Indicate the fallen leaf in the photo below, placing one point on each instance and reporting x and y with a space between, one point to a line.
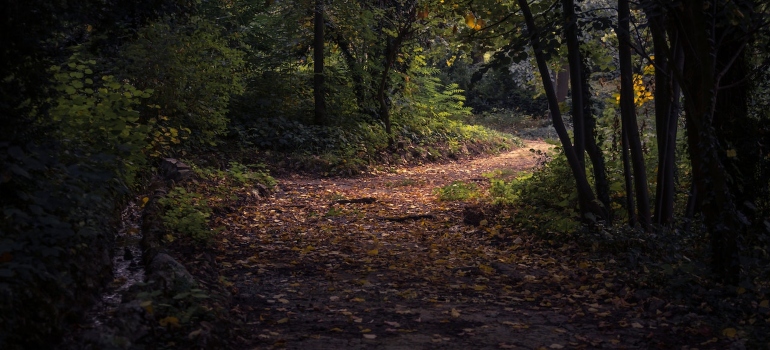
370 336
455 313
283 320
194 334
729 332
169 321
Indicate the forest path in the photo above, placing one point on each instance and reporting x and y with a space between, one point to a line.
378 262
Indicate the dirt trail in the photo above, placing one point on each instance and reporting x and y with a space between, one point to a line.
379 263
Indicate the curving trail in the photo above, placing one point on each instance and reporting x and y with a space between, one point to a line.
322 265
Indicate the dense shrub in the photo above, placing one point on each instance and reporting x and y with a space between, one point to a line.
192 72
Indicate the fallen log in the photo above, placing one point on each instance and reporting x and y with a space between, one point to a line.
365 200
409 217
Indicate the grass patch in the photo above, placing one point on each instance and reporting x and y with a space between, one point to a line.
458 191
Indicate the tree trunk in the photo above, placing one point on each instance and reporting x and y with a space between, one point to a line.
318 64
384 111
628 115
699 81
595 153
628 177
666 95
562 83
576 76
588 205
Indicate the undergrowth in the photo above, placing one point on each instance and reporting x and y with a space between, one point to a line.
189 208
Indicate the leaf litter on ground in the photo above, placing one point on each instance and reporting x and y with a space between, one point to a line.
321 265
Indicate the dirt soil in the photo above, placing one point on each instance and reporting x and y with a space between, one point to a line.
378 262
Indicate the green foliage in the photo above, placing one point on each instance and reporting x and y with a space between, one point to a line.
425 97
187 214
192 71
250 174
457 191
97 115
545 200
237 174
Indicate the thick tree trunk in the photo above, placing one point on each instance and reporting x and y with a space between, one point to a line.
318 64
628 115
562 83
700 85
588 204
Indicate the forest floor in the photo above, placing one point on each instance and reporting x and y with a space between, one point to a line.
378 262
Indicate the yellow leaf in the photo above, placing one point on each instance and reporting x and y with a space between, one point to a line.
366 330
144 201
741 290
764 303
169 321
470 20
479 24
373 252
357 300
731 153
455 313
479 287
729 332
451 61
335 329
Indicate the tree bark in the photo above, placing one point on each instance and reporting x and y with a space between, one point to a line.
628 115
700 83
562 83
628 177
667 107
576 75
318 64
594 151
